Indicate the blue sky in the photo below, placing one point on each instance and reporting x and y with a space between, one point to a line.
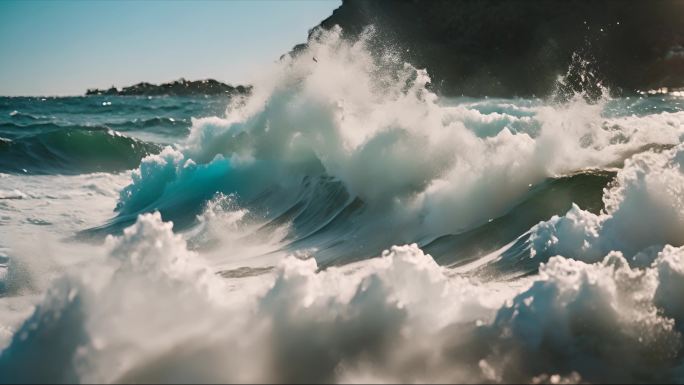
64 47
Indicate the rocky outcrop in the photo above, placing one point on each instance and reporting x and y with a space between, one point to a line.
180 87
520 47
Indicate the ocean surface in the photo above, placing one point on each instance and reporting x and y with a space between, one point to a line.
342 224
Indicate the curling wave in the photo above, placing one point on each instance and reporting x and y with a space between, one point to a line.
372 158
52 149
359 228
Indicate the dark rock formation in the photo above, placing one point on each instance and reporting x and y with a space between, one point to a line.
180 87
520 47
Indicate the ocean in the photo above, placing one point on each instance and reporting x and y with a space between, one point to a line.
343 223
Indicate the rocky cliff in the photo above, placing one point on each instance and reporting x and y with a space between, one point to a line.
520 47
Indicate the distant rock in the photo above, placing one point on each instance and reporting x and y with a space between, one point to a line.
520 47
179 87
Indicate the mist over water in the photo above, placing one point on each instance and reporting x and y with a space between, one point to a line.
342 224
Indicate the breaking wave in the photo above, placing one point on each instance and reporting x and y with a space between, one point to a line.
370 157
346 224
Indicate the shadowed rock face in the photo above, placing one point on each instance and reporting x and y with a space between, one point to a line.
519 47
180 87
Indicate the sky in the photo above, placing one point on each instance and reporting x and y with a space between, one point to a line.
64 47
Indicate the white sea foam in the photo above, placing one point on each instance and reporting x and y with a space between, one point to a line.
153 311
644 210
433 167
12 194
33 255
225 301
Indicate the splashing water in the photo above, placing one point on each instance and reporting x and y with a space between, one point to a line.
346 224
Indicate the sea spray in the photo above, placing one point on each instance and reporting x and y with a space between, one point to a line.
420 167
644 209
276 243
